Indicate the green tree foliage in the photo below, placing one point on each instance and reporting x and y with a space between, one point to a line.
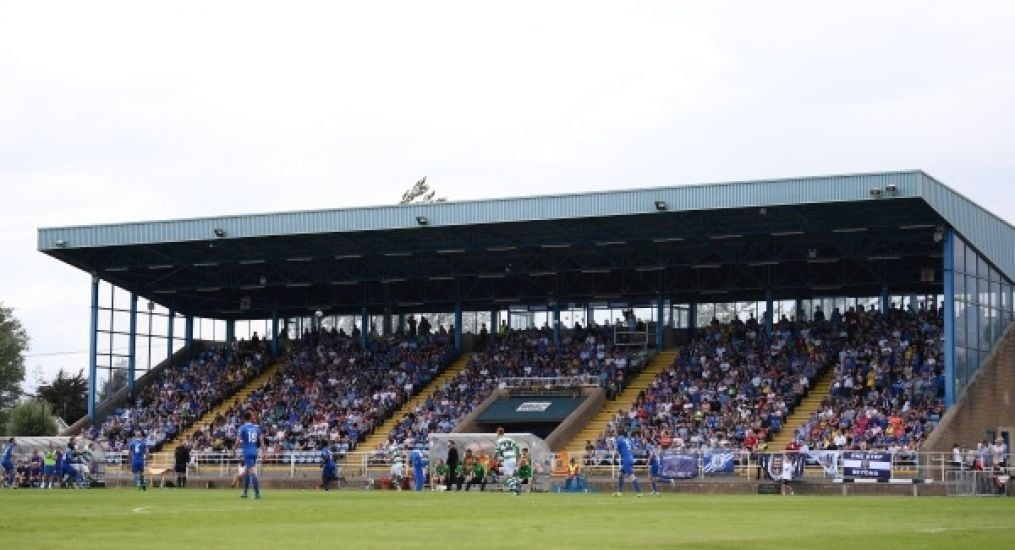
420 192
13 344
114 383
66 395
32 418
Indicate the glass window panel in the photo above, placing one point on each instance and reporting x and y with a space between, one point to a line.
994 276
958 254
705 314
986 338
972 363
970 261
972 326
960 286
960 323
960 370
971 294
982 270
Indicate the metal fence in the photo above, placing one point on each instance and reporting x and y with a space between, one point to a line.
708 464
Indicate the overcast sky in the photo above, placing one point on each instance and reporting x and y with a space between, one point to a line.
142 110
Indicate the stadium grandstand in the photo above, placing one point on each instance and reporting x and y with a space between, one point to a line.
862 312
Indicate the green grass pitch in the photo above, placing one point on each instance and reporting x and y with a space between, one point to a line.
193 519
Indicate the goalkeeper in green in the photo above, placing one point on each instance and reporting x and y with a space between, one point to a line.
507 454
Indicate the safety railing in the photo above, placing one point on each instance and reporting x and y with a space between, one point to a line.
683 464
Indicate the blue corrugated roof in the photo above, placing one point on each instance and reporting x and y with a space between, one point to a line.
988 233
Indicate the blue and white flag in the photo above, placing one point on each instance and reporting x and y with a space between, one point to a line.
673 465
718 462
829 460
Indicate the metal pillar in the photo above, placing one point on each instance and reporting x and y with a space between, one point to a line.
660 320
132 346
949 315
274 333
230 330
93 346
884 302
188 332
401 323
169 335
556 323
458 326
364 327
692 320
770 313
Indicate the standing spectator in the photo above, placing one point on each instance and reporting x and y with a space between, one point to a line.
452 463
181 458
999 453
137 448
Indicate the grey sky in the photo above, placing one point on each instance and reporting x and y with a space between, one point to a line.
133 111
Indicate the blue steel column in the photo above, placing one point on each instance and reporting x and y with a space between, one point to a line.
770 313
692 320
169 335
949 314
494 324
93 345
556 323
132 346
188 332
884 302
230 330
458 326
660 320
274 333
364 327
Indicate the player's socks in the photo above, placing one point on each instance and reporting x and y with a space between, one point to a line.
637 486
620 484
246 484
257 486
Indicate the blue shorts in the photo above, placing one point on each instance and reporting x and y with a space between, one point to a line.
137 467
7 465
330 472
627 469
48 470
250 461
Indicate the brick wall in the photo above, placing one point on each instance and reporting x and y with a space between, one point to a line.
987 403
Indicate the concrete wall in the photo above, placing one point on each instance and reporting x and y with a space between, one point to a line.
988 402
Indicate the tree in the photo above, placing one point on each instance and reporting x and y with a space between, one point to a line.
13 344
31 418
420 192
67 395
112 384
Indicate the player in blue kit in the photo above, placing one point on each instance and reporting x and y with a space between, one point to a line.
654 469
7 462
252 440
626 451
419 462
137 449
329 470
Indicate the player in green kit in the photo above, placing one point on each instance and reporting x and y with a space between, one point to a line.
507 454
525 469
